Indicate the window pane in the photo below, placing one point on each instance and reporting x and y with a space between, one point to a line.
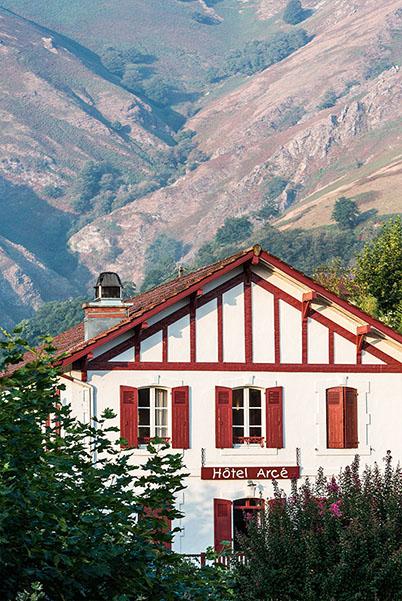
161 432
144 432
237 432
255 397
143 397
255 417
255 431
160 417
238 398
160 398
144 418
238 417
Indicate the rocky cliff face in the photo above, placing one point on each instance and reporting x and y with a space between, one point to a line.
274 125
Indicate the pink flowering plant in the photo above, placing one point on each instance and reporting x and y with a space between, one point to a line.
339 539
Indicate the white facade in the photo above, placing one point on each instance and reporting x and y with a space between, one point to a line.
252 334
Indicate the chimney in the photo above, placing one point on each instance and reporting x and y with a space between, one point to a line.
107 309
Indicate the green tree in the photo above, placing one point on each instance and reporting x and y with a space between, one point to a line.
132 78
234 230
161 261
157 90
94 178
51 319
294 12
339 539
346 213
113 60
69 501
379 268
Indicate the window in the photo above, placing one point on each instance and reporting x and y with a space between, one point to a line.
243 417
152 414
342 431
247 416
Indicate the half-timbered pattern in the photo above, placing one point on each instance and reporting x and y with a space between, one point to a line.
251 370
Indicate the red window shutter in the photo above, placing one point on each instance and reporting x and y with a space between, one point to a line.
180 418
129 416
222 522
335 419
274 417
350 411
223 418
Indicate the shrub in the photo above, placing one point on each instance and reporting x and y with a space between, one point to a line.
53 191
329 99
204 18
376 68
339 539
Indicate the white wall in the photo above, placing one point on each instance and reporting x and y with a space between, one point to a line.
380 417
179 340
290 333
207 332
263 325
233 324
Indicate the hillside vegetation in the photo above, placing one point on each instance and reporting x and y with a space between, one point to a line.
127 123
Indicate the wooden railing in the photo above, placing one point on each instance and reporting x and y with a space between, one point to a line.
201 559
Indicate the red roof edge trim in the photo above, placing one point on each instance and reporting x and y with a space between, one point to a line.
122 327
304 279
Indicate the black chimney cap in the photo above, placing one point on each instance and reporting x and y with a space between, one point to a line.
108 278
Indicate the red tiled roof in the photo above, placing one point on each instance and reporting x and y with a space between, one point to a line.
72 340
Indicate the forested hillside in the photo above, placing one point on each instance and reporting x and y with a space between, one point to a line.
127 124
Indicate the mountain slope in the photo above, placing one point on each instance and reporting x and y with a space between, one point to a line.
273 125
170 30
58 108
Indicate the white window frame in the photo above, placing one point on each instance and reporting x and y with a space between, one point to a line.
246 407
152 405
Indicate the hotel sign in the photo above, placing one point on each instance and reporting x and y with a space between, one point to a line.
250 473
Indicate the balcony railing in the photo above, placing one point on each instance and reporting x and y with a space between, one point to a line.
201 559
249 440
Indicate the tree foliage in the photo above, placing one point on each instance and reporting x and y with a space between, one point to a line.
234 230
379 268
70 499
161 261
375 282
258 55
346 213
294 12
339 539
